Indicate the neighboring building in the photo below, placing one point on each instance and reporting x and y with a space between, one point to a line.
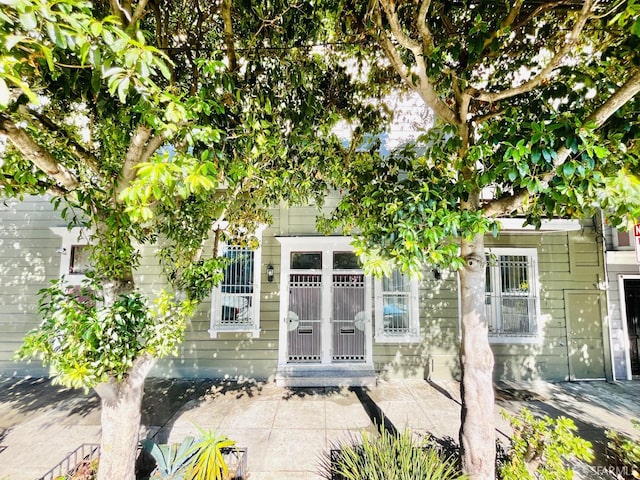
623 278
301 311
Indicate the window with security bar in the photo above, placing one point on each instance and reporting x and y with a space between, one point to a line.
235 301
511 300
396 309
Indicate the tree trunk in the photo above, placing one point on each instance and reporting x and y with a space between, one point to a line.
121 402
477 431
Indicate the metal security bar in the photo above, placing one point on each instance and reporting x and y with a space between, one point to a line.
236 298
304 322
511 301
395 297
348 317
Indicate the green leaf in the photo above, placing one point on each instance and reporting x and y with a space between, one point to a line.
600 152
28 21
535 156
123 89
568 169
5 93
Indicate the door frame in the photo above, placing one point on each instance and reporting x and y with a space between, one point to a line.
324 245
622 294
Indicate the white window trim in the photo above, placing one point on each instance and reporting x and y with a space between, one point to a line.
414 315
71 237
216 298
535 338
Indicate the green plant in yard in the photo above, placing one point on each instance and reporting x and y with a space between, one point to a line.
171 460
207 461
539 446
389 457
624 452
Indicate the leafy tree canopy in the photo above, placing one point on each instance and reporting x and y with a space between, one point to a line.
160 123
537 116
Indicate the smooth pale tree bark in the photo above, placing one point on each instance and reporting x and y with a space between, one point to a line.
477 431
121 402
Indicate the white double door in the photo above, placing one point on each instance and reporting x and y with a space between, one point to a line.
325 304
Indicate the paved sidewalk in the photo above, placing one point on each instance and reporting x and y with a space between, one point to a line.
287 431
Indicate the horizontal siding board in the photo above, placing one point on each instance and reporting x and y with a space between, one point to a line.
28 257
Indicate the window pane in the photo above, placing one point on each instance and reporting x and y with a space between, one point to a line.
514 273
306 260
236 310
395 303
398 282
510 302
79 259
346 261
516 314
238 276
395 314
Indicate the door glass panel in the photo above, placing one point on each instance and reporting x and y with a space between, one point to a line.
306 260
346 261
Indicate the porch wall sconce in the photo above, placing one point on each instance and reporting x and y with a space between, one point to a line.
270 273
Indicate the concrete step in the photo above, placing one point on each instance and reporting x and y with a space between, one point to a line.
325 376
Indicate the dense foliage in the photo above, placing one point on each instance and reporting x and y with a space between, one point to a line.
386 456
542 448
536 112
170 124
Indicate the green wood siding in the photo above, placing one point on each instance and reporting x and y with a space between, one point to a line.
566 261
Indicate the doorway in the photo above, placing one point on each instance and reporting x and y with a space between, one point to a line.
325 305
632 312
584 314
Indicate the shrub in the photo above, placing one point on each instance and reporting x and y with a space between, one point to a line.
208 461
624 453
389 457
539 447
171 460
200 458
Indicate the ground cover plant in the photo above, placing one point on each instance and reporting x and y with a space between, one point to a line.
623 453
542 447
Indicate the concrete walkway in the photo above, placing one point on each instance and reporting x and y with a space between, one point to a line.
287 431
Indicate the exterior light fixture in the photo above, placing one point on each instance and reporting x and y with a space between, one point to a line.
270 273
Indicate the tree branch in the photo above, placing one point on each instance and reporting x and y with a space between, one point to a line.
152 147
121 12
598 117
225 12
133 157
423 28
424 88
507 22
50 188
78 150
37 155
138 13
394 23
534 82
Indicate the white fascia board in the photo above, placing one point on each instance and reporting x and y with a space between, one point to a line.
318 242
621 257
553 225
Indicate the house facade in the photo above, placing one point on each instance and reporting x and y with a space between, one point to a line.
623 278
300 310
